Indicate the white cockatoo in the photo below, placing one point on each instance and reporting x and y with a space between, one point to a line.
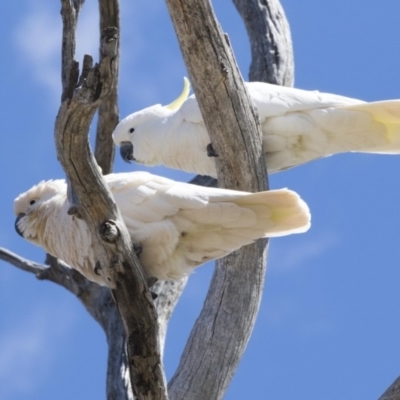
298 126
178 226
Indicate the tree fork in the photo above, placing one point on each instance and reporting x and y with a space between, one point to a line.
127 282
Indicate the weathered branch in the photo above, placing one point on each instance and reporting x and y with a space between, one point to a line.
119 265
108 111
221 332
118 378
168 294
20 262
221 94
393 392
58 272
270 39
69 67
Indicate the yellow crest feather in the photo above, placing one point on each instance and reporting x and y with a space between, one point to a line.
182 97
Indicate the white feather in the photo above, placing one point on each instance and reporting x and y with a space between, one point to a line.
298 126
178 225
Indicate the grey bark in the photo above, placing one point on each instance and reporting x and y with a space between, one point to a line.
221 333
108 111
270 41
94 203
393 391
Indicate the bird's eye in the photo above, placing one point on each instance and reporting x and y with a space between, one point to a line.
32 202
131 130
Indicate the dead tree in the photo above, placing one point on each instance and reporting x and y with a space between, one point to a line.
226 321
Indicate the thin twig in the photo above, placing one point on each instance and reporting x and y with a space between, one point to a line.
20 262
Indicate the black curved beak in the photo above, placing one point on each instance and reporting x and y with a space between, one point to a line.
16 224
126 151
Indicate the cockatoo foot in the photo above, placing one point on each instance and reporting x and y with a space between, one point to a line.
137 249
151 280
97 268
210 151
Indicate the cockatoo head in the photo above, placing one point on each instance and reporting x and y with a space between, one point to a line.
141 126
30 208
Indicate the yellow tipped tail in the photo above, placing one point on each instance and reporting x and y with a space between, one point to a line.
279 212
386 116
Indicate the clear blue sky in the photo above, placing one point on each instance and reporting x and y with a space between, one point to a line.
329 325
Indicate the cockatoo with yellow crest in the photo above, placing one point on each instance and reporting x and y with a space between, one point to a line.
298 126
178 226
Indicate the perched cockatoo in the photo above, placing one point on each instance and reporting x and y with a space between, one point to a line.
179 226
298 126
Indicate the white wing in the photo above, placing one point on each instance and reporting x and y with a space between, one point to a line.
274 100
299 126
181 226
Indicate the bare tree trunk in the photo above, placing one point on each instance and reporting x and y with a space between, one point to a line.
222 330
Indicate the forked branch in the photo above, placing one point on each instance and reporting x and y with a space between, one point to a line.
94 203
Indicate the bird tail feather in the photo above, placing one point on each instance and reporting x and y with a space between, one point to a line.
387 115
278 213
